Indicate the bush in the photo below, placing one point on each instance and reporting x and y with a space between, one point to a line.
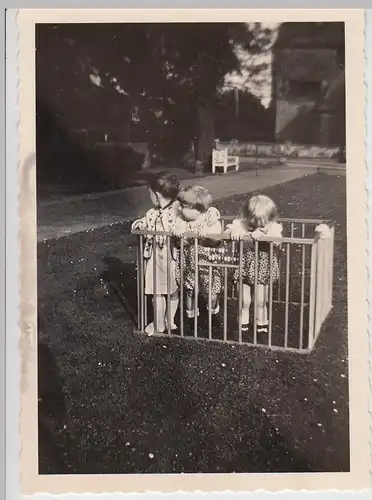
117 162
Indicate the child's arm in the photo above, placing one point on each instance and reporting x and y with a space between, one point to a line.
210 236
236 230
141 223
274 230
179 227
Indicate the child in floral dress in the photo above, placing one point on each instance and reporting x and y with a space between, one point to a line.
163 190
259 219
197 216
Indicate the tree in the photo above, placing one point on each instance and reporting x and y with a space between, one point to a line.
171 74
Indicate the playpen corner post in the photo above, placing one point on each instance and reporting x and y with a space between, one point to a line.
330 270
312 301
140 285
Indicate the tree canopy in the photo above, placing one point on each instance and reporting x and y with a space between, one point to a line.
161 79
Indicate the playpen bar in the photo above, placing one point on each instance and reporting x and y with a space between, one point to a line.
288 219
154 304
234 342
240 290
305 241
140 287
255 291
288 253
330 267
302 303
168 285
233 250
207 264
292 229
312 295
293 303
271 292
196 291
210 302
225 305
181 261
319 287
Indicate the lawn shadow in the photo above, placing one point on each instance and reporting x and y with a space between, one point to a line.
52 414
122 279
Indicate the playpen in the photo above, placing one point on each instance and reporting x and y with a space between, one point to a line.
299 301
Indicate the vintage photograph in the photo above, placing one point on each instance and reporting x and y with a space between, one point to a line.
192 247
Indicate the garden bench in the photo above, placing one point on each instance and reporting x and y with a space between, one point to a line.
221 159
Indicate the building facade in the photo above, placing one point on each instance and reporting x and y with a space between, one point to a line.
309 84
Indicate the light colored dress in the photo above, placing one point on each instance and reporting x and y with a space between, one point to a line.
156 262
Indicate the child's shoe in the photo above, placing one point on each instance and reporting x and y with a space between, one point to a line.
245 327
263 328
216 310
173 325
150 329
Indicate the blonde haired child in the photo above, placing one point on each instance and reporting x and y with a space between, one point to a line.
259 219
163 190
197 216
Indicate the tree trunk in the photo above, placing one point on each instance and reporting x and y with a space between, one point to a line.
204 142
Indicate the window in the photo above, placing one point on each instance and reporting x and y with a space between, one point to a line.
304 90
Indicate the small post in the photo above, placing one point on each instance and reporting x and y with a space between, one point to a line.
141 291
168 286
196 292
271 292
154 305
240 290
182 256
287 275
255 292
210 302
225 305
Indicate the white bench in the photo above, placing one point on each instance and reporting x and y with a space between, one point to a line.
221 159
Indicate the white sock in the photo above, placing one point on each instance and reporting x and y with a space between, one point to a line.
173 309
159 313
245 316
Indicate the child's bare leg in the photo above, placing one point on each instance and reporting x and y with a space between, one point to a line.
247 299
173 306
261 297
158 324
190 304
214 301
189 301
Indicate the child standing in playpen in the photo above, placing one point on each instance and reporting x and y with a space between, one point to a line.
163 189
259 219
197 216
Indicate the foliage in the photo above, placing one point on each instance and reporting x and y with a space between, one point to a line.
166 73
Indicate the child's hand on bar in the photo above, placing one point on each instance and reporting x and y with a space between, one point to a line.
257 234
138 225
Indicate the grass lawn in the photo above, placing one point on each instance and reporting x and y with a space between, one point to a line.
112 401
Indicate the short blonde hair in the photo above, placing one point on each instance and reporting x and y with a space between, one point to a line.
195 197
259 211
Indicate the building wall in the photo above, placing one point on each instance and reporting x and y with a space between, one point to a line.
301 75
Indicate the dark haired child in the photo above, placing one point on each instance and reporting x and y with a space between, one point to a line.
163 190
